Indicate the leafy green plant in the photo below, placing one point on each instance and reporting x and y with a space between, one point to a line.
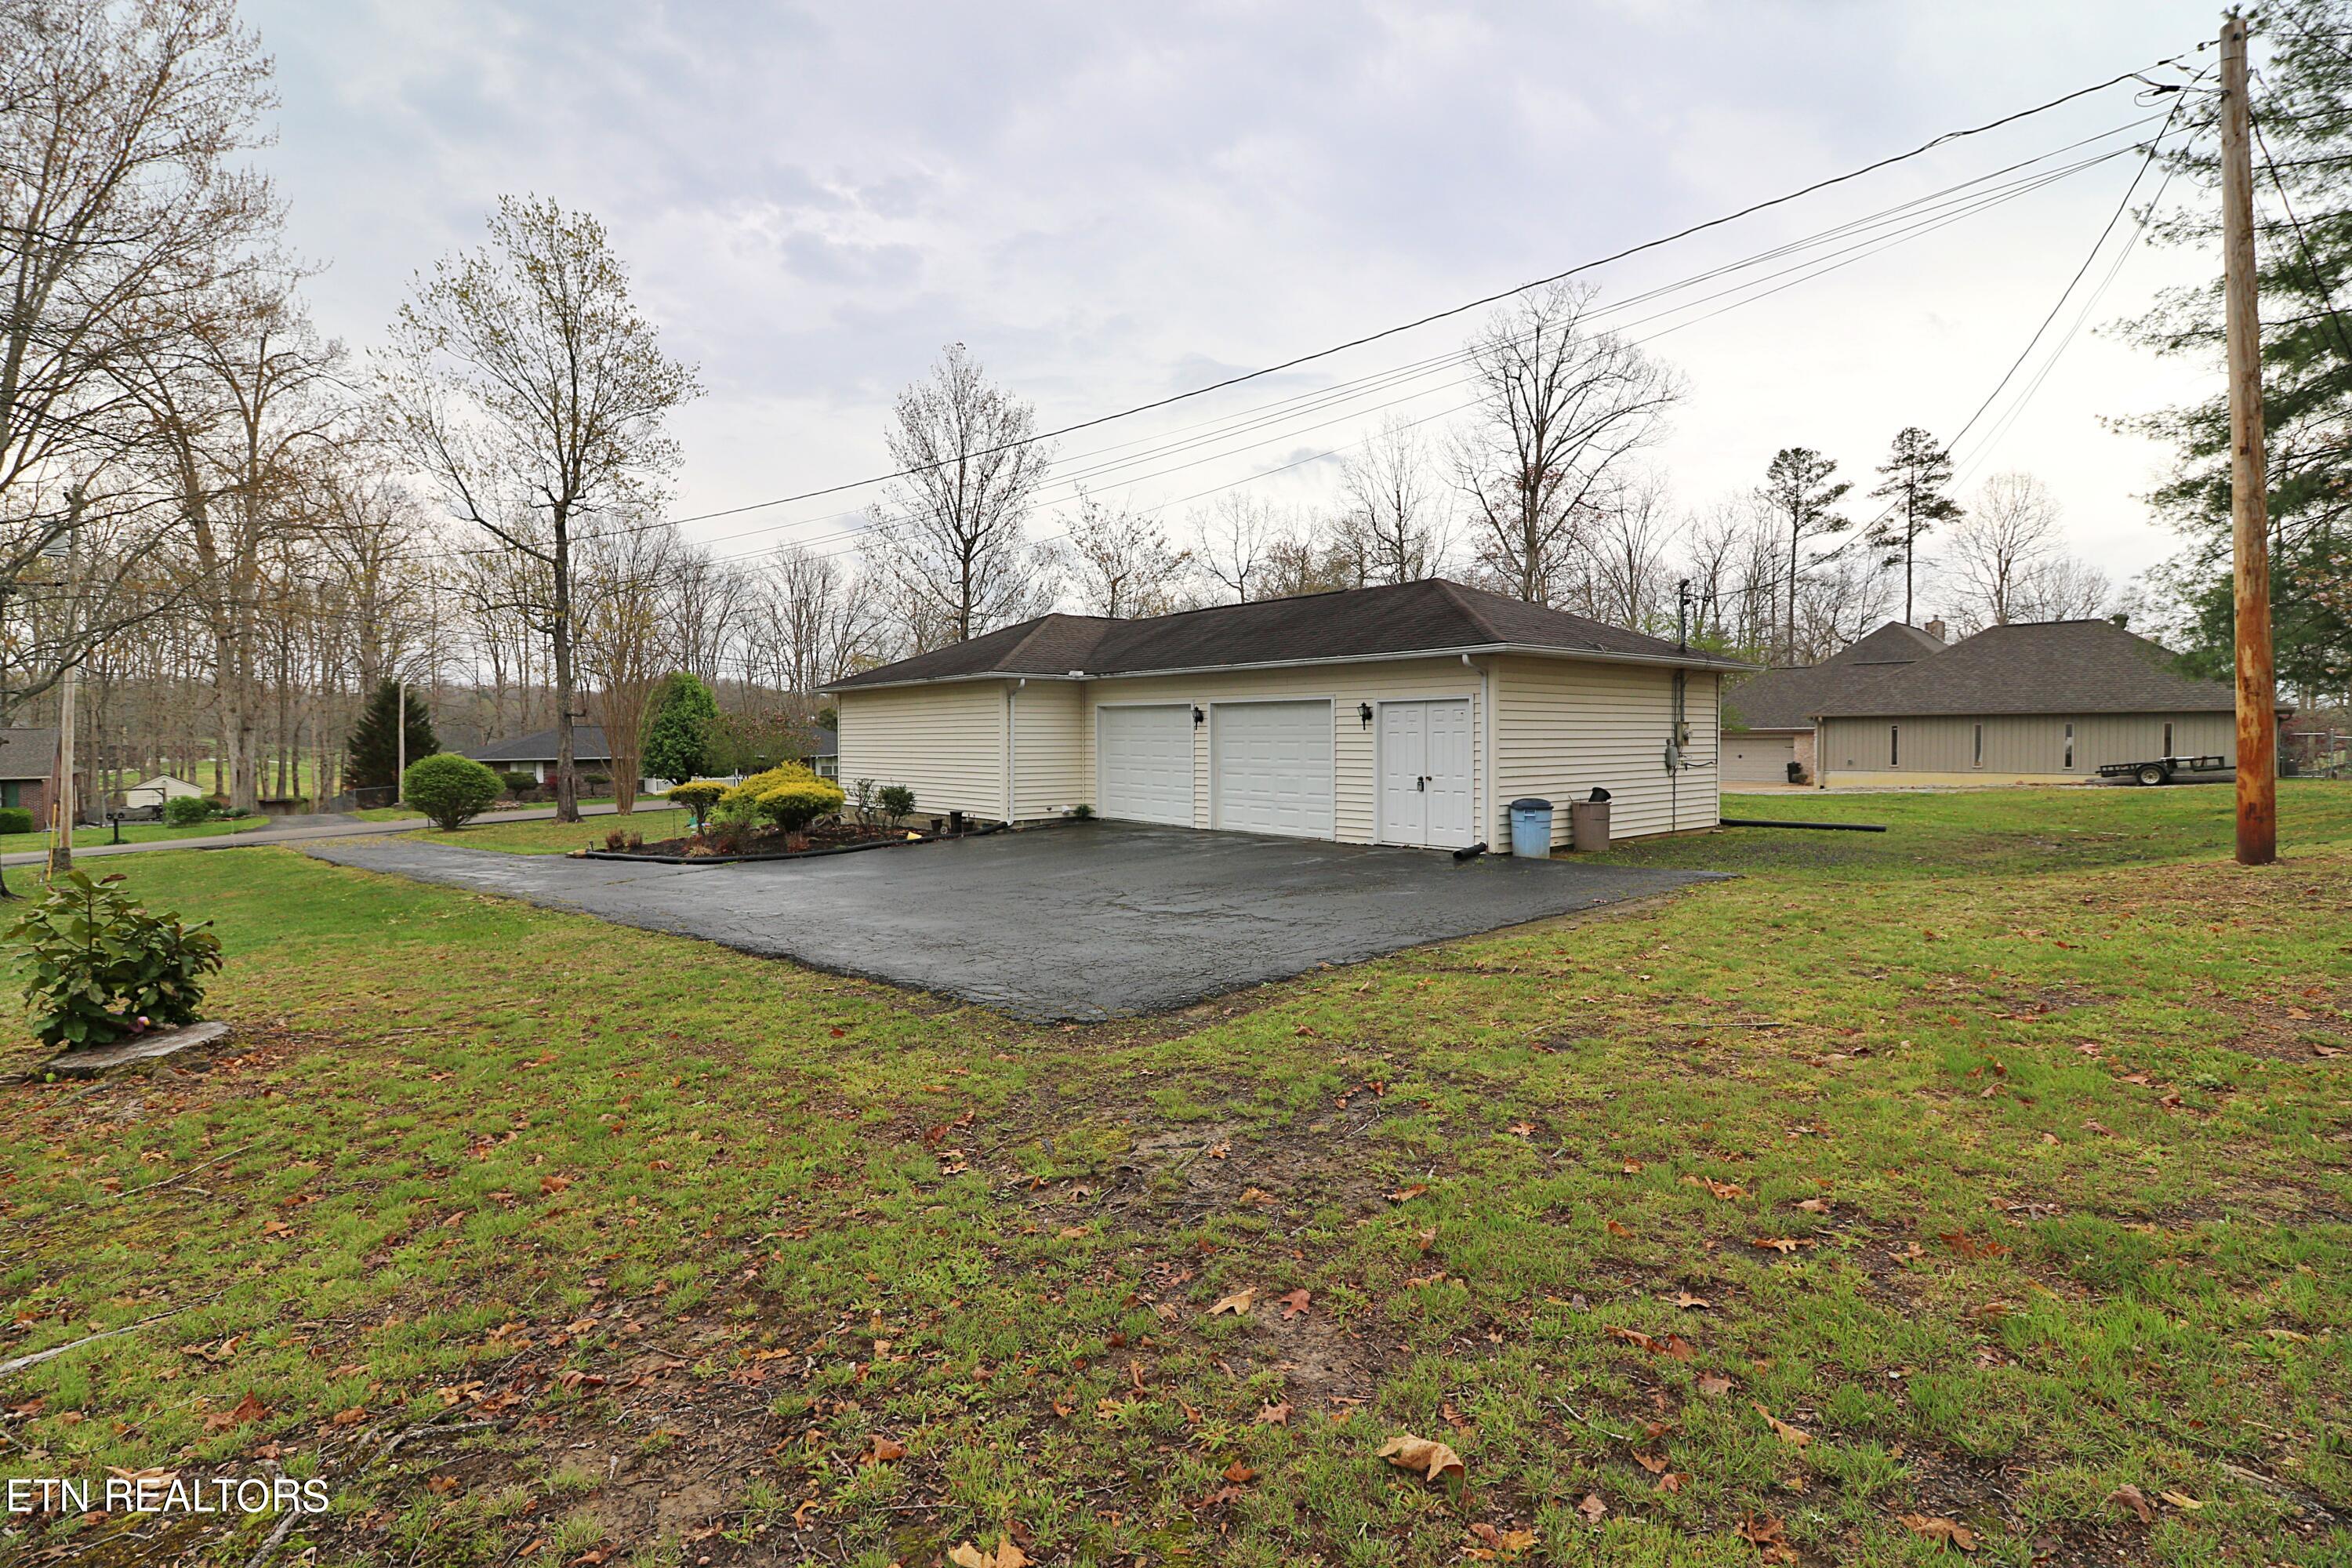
450 789
97 967
518 783
1082 812
186 810
897 803
16 819
698 796
790 797
681 728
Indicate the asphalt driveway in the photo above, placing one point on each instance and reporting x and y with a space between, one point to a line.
1086 921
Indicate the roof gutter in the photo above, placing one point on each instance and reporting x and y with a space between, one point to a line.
1532 650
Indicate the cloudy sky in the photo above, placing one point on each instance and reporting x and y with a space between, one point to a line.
1109 203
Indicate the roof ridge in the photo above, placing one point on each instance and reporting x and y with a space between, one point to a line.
1454 591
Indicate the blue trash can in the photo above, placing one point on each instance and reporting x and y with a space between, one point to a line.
1531 829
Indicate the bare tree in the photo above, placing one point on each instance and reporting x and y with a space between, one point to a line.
951 534
711 601
624 583
1560 408
2064 588
1800 497
523 379
2012 529
816 621
1120 563
239 403
120 205
1632 584
1394 509
1237 535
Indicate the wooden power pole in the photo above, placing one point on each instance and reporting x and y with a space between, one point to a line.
2249 511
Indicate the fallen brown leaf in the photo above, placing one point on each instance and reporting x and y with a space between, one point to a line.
1943 1532
1592 1507
1294 1305
2130 1497
1430 1460
1006 1555
1237 1303
1782 1430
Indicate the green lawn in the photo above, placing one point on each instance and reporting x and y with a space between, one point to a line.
136 833
2035 1187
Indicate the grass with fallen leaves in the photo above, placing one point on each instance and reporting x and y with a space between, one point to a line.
1979 1190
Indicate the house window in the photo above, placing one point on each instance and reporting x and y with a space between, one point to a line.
2168 737
1978 752
2070 745
1894 746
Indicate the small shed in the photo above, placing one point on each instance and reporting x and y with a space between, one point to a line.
152 792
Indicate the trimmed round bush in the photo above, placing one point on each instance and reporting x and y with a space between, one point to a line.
789 797
518 783
184 810
698 796
16 819
450 789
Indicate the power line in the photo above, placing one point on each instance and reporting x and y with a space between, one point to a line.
1268 415
1453 311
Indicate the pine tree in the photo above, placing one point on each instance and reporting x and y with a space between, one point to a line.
1800 496
681 728
1916 475
374 745
2301 108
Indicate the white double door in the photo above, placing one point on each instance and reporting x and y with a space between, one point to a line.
1425 765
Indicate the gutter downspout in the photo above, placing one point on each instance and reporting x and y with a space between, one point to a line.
1485 791
1012 747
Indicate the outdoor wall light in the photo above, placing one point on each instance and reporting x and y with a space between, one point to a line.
1199 718
1364 711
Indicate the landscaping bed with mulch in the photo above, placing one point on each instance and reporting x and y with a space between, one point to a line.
837 838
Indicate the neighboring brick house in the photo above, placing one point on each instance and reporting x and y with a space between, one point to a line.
1767 718
28 759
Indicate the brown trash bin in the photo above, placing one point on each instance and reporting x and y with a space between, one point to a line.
1587 825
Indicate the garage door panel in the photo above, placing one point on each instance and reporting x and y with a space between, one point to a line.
1143 761
1758 759
1272 768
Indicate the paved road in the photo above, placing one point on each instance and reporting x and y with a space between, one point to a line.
303 835
1089 920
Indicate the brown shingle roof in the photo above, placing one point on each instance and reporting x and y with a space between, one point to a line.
1787 699
1432 615
27 751
2038 666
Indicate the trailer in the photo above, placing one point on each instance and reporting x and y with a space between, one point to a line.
2159 770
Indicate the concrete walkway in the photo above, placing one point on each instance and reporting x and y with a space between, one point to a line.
304 833
1089 920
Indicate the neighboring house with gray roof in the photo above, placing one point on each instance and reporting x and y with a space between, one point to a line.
535 753
29 760
2029 702
1767 718
1411 714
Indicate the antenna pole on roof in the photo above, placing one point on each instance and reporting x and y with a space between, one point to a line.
1681 615
2249 523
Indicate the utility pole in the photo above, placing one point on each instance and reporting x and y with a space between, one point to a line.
61 805
400 729
2249 511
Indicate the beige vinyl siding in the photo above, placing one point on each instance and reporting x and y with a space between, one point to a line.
1347 686
1564 726
2017 746
946 742
1052 741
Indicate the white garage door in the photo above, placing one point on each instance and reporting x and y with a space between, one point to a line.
1758 759
1271 767
1144 762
